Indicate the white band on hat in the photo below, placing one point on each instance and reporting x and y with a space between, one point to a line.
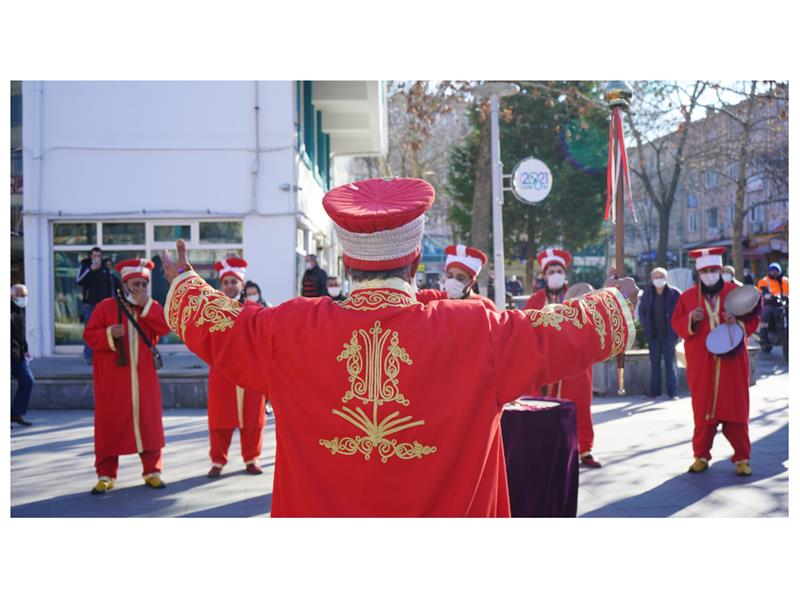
461 256
237 271
141 271
551 256
709 260
382 245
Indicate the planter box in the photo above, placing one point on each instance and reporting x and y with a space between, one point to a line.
637 374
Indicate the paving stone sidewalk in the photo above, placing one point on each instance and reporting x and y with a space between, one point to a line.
645 447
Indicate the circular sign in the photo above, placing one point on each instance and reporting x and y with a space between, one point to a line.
531 180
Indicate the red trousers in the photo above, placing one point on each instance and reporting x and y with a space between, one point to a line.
107 466
737 434
251 439
583 416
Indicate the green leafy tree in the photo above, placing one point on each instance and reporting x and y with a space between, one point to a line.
553 122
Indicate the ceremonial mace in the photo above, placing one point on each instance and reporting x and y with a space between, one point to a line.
618 95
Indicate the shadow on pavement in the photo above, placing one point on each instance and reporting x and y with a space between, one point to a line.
251 507
134 501
682 491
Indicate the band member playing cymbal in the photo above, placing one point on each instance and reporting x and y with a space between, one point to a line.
719 384
577 389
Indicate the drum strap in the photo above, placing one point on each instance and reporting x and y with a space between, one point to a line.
713 321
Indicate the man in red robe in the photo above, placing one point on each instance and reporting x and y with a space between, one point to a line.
230 406
461 269
127 398
374 418
578 388
719 384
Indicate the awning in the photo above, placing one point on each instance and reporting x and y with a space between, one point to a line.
759 252
708 244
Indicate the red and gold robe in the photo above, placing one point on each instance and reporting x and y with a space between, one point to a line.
426 296
127 399
719 386
577 389
387 406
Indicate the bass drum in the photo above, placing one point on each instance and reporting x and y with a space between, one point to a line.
744 302
576 290
725 340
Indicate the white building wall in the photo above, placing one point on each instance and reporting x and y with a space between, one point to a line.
151 150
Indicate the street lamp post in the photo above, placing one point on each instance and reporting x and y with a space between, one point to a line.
495 90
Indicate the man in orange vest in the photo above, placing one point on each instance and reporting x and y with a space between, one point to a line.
773 287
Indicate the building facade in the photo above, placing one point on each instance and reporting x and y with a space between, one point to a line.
233 168
704 207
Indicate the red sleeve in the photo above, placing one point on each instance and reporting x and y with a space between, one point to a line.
534 347
236 340
425 296
681 319
152 320
97 334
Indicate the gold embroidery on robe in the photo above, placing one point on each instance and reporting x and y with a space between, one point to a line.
375 300
552 315
213 307
373 364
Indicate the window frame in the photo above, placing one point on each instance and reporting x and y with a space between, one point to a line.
147 249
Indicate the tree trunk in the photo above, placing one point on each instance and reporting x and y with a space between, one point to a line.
664 211
482 202
738 213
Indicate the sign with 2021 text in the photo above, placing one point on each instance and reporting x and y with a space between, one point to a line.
531 180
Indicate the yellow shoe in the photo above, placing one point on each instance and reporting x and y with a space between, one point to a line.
743 468
154 481
699 465
103 485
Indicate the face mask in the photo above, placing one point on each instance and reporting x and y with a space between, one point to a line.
727 277
21 301
253 298
660 282
555 281
308 265
129 299
710 279
454 288
334 291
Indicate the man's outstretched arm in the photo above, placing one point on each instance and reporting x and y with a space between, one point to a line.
227 336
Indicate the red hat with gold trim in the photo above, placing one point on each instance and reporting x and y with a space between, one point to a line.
134 267
232 265
379 222
469 259
707 258
554 256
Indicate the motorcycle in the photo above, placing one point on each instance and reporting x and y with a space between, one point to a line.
777 331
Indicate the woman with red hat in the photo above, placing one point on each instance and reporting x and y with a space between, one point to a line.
461 268
230 406
554 263
127 398
719 384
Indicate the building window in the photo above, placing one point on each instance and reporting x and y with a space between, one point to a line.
207 242
691 201
315 142
712 179
731 213
693 222
711 218
757 214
